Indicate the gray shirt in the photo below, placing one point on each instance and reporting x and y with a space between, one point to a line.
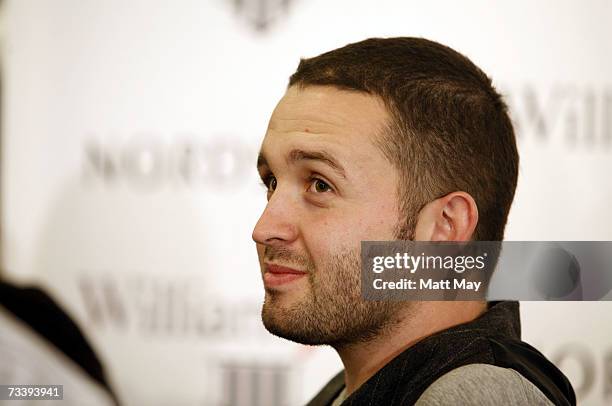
477 384
482 384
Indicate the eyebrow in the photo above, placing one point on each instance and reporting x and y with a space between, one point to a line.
298 155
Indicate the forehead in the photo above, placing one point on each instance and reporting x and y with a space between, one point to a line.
342 121
326 109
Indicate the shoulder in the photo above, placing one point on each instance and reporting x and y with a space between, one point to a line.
482 384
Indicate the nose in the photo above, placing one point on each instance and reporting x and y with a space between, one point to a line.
278 222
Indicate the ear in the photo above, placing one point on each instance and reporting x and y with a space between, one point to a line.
450 218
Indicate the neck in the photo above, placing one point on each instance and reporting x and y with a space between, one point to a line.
420 320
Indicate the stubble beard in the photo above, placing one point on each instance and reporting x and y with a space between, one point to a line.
332 311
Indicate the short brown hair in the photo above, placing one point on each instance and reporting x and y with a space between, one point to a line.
450 128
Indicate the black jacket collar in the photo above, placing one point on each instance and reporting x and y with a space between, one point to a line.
493 338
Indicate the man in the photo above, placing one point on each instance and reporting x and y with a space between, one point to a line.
393 139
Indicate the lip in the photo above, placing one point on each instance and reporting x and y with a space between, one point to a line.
278 275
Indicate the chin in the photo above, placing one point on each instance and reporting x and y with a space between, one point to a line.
279 318
276 298
295 335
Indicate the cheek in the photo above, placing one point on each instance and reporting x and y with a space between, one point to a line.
326 236
260 252
382 225
323 238
377 222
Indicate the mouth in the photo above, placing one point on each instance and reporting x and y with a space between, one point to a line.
277 275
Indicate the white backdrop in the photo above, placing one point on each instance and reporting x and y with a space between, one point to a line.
130 131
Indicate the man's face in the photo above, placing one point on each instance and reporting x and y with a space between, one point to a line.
329 188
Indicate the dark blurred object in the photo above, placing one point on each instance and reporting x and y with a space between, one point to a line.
557 275
35 309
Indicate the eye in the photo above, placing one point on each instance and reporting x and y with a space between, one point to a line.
320 186
270 183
